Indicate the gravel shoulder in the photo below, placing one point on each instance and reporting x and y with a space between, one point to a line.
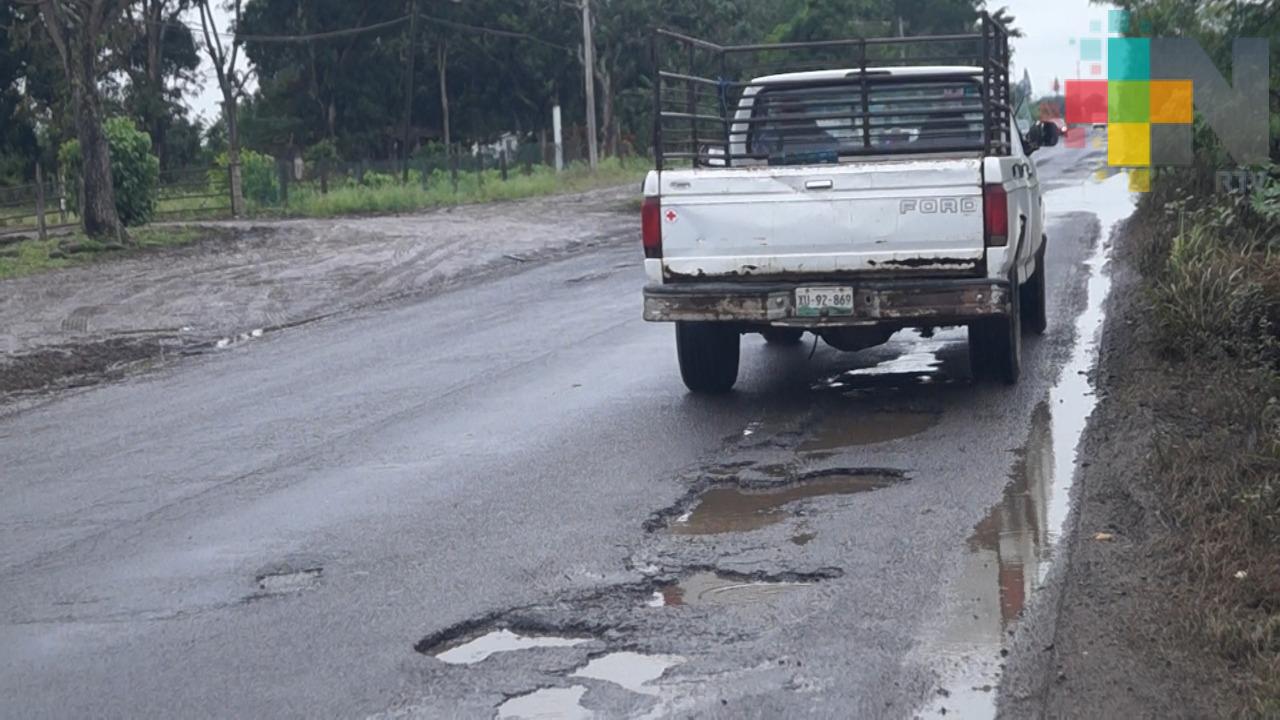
73 326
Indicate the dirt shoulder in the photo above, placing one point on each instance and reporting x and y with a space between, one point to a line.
253 277
1130 637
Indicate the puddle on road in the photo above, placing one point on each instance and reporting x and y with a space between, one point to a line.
710 588
630 670
920 364
1011 549
470 652
870 428
548 704
731 509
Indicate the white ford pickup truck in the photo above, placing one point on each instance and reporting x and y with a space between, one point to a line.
850 203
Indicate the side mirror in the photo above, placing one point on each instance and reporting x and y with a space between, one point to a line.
1044 134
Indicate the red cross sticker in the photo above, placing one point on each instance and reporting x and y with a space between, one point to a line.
672 216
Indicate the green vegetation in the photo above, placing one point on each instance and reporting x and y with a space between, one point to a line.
258 171
1210 264
135 171
1211 271
382 193
28 257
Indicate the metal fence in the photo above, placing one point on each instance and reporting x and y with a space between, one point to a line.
204 193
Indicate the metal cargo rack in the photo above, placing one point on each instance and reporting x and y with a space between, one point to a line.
702 120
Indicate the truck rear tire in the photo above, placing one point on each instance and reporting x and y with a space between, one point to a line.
782 336
1035 307
708 354
995 345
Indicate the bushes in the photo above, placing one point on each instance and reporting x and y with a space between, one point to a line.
257 174
135 171
1216 278
1211 267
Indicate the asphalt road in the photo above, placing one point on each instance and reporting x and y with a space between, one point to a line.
277 529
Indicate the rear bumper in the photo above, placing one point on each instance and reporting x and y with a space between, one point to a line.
897 302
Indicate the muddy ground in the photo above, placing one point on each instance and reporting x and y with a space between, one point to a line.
1117 642
246 278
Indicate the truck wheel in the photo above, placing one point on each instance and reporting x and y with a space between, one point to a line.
1035 308
995 346
708 355
782 336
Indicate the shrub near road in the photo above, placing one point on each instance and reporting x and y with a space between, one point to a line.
1210 267
135 170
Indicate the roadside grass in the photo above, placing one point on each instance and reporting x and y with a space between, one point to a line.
1211 272
438 190
31 256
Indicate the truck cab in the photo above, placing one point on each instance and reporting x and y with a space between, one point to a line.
847 202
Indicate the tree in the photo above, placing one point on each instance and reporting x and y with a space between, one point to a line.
76 28
159 55
231 83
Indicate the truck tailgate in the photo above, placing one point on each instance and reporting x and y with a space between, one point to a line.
917 217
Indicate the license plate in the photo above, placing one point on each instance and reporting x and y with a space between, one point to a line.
824 301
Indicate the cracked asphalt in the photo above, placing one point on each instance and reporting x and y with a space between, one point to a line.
277 529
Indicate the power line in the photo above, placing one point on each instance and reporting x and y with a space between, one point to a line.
328 35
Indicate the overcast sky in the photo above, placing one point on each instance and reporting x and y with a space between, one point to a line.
1046 52
1050 25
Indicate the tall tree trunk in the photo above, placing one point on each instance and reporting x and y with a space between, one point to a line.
442 62
231 111
609 120
76 38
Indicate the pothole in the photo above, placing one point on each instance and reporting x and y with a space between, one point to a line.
870 429
559 703
717 588
629 670
478 649
291 581
734 509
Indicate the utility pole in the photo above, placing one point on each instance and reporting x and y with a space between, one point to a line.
408 86
589 66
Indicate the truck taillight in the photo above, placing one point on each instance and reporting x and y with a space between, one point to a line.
995 203
651 224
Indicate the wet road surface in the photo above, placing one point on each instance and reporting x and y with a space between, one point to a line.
499 501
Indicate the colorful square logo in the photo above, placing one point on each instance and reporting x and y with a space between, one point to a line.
1149 120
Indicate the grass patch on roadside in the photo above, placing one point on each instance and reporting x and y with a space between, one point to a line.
31 256
1211 272
438 191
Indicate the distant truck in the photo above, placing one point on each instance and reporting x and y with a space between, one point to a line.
846 199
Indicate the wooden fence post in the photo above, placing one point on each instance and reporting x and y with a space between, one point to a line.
62 198
453 171
44 232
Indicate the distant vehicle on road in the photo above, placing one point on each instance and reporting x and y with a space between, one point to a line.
850 203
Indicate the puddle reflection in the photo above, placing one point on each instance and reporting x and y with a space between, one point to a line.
630 670
733 510
470 652
1010 550
548 703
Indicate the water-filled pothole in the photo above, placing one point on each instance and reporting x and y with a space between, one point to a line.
733 509
707 587
559 703
870 429
629 670
471 650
